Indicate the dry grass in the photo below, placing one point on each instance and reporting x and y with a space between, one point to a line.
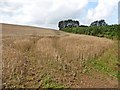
52 61
26 59
17 30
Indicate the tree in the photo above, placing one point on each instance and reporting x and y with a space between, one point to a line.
68 23
99 23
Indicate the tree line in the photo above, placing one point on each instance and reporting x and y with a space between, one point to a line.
73 23
97 28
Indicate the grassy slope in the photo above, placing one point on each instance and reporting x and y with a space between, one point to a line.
106 63
59 61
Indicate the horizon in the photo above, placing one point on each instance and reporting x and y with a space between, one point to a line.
36 13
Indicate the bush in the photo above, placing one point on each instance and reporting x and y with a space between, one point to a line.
100 31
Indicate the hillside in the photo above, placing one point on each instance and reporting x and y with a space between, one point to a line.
37 57
21 30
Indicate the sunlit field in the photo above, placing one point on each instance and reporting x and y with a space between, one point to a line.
56 59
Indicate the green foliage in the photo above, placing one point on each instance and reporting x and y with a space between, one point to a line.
106 64
100 31
49 83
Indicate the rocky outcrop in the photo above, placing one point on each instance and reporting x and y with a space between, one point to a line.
68 23
99 23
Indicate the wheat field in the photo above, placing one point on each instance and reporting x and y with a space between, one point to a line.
37 57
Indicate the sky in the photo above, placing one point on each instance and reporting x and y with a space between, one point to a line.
47 13
119 13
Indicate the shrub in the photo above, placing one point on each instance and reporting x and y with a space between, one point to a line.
100 31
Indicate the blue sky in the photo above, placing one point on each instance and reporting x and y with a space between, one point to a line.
47 13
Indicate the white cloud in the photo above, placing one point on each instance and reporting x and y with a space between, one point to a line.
39 12
47 13
103 10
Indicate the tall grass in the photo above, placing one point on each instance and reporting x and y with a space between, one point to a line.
30 61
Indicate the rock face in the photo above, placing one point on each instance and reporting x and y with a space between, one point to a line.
68 23
99 23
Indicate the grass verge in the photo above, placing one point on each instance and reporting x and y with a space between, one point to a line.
106 63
